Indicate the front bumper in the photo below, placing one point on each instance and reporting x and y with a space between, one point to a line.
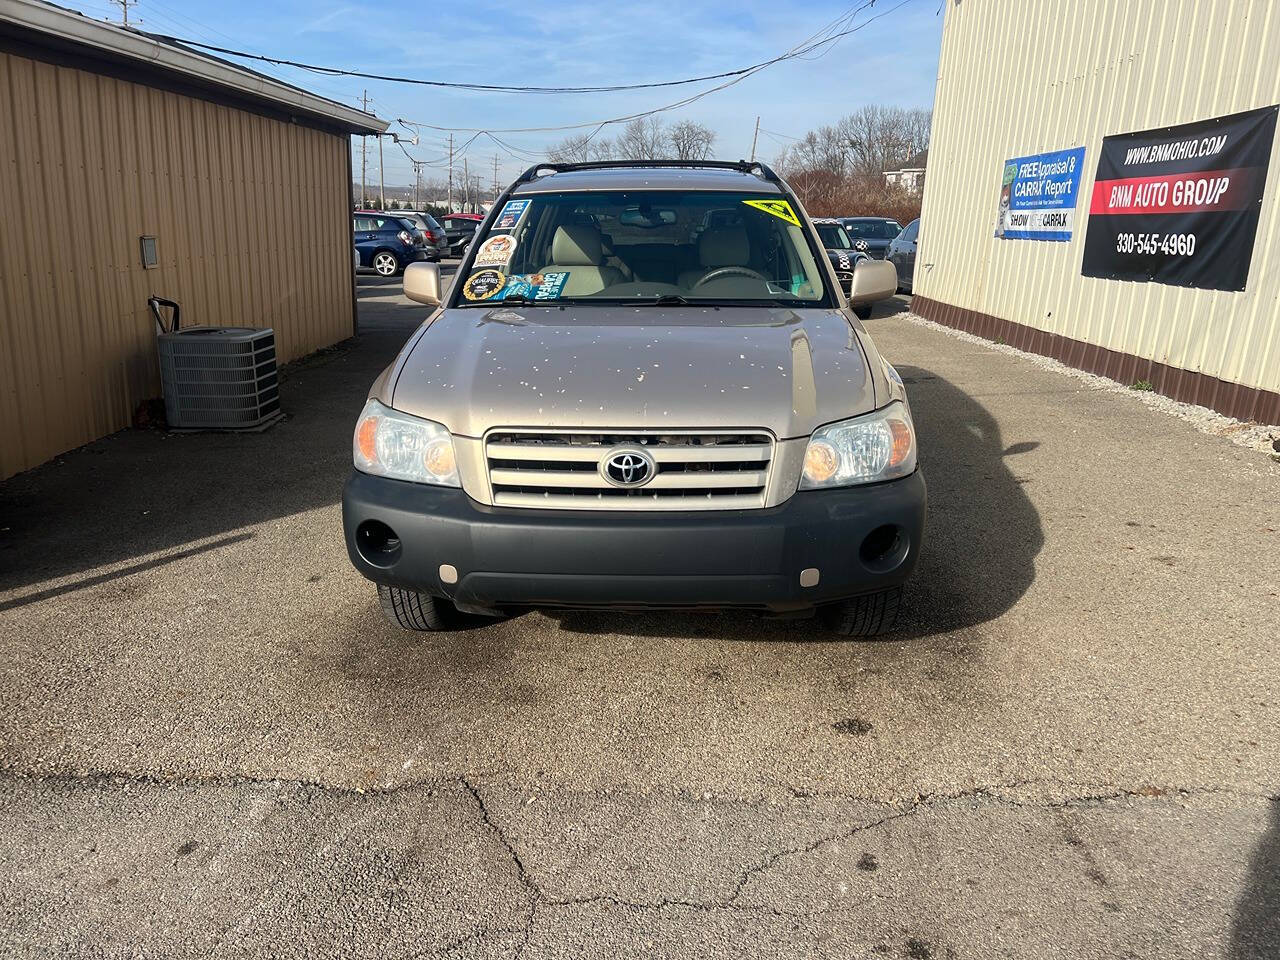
858 539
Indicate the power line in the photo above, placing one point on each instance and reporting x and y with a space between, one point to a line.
805 48
600 124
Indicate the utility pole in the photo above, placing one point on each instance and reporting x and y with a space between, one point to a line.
364 190
754 137
417 179
449 204
382 185
466 184
124 6
495 178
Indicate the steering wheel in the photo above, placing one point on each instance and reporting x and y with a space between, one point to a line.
730 272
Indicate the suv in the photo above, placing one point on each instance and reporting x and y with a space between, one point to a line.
459 228
871 234
433 235
385 242
679 418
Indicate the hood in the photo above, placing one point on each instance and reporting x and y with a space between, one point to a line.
620 367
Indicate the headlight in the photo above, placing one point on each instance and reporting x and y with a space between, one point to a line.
393 444
868 449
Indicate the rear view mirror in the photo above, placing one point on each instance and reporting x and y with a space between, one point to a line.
872 280
647 218
422 283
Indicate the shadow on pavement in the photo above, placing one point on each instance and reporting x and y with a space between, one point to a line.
138 492
1255 928
981 539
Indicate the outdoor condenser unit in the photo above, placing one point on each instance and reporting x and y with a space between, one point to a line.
216 377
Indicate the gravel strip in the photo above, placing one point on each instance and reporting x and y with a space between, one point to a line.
1256 436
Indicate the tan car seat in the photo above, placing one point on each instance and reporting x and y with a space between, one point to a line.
718 247
577 251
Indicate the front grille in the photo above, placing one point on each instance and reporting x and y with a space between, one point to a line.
695 470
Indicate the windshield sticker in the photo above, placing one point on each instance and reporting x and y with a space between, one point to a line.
496 251
535 286
496 285
484 285
510 214
778 208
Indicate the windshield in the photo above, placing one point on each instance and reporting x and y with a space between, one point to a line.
646 245
833 236
872 229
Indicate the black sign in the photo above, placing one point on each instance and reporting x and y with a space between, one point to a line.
1180 205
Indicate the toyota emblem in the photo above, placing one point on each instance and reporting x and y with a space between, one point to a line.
628 468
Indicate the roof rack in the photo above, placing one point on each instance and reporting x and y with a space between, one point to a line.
742 166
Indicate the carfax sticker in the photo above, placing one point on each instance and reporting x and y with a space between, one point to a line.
496 251
535 286
484 285
778 208
511 214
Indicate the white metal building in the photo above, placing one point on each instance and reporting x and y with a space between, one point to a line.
1018 80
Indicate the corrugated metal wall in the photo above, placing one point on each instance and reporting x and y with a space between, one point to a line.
252 222
1018 78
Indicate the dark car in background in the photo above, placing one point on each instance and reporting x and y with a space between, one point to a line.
459 228
871 235
902 254
843 255
386 242
433 235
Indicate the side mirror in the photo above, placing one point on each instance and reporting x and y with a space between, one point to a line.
872 280
422 283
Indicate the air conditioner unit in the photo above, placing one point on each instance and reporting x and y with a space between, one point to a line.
219 377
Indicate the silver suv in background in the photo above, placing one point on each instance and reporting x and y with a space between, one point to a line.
645 389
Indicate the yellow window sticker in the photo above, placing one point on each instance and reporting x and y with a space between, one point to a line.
778 208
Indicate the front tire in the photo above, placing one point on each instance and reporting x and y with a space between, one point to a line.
385 264
420 611
866 616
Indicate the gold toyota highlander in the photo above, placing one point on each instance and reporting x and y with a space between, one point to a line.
645 389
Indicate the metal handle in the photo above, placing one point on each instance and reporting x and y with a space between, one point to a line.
155 303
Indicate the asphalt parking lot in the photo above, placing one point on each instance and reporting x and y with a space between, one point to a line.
212 742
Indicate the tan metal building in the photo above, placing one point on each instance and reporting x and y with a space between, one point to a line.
108 136
1017 79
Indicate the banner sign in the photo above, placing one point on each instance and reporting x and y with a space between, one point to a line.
1180 205
1038 196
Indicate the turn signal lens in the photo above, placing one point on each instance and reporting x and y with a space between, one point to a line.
366 439
389 443
879 446
903 443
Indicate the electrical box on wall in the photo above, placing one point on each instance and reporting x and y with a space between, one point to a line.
150 255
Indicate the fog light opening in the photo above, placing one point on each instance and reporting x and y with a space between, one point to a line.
884 548
377 543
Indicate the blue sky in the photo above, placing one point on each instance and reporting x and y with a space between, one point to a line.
893 61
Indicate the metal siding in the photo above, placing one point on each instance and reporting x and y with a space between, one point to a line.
1015 79
251 219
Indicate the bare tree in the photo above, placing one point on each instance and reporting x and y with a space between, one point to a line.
691 140
580 148
644 138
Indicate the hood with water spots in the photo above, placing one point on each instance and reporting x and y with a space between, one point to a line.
621 367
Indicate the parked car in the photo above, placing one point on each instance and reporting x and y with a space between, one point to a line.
843 256
387 243
433 234
711 428
871 235
902 254
459 228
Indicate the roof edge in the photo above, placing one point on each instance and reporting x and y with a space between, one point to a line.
68 26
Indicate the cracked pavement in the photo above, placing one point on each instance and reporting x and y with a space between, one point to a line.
211 742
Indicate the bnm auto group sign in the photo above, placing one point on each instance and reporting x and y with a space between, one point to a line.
1180 205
